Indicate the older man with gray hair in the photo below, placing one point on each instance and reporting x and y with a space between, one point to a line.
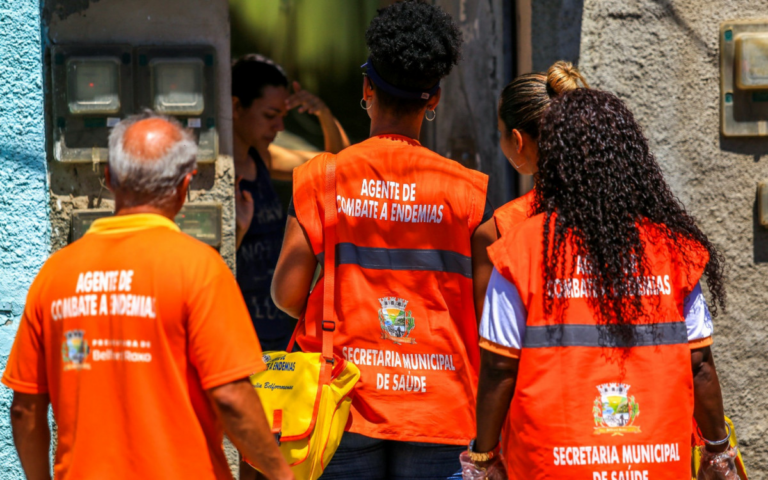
138 337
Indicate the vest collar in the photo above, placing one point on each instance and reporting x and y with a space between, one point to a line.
131 223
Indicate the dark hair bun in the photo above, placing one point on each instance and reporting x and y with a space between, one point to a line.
413 44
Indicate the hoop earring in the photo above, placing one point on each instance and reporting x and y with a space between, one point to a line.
364 105
426 115
517 167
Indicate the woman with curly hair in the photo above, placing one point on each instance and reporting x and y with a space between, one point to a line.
521 105
412 265
594 315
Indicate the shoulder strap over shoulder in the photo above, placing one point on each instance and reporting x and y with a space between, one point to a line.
329 268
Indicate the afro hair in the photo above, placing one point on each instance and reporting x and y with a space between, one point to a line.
412 45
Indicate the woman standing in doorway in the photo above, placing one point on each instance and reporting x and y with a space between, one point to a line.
412 266
596 336
260 101
521 106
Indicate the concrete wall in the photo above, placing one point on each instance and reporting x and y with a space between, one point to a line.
24 227
145 22
465 127
661 57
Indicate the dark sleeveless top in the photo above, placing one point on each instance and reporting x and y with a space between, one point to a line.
257 258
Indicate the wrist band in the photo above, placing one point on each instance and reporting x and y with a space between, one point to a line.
718 442
482 457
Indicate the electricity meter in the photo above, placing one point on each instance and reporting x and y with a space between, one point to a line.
177 86
180 82
92 91
93 85
199 220
744 78
752 61
202 221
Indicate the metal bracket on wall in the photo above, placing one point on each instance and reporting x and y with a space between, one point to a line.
6 311
762 203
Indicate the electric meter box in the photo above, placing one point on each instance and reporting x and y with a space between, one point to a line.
202 221
181 82
92 90
744 78
199 220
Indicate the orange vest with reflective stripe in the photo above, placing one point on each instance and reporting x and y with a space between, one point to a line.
512 213
405 309
585 406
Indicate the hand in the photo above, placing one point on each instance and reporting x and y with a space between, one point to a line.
718 466
491 470
243 210
306 102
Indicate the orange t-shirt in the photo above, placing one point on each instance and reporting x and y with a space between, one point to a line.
125 329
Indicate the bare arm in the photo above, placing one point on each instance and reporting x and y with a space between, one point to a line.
239 410
243 212
295 270
29 421
335 137
498 375
708 399
285 160
482 267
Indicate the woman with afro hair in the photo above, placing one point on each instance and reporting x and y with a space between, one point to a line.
595 334
411 262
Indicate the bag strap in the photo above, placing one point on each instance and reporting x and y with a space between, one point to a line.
328 325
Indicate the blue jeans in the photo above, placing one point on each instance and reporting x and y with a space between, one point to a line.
364 458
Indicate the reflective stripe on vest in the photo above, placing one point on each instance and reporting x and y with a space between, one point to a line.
402 259
562 335
587 403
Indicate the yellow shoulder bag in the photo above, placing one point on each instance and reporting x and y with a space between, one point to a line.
306 396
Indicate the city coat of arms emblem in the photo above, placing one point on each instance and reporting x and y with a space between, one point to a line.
396 324
614 412
75 350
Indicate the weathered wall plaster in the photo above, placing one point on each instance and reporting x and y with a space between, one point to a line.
661 57
24 230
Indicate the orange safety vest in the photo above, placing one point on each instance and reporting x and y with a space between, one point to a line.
405 307
512 213
585 406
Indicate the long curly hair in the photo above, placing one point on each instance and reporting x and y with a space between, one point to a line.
599 180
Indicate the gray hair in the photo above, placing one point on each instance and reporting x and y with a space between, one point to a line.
155 180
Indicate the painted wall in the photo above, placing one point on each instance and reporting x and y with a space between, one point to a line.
662 58
24 226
